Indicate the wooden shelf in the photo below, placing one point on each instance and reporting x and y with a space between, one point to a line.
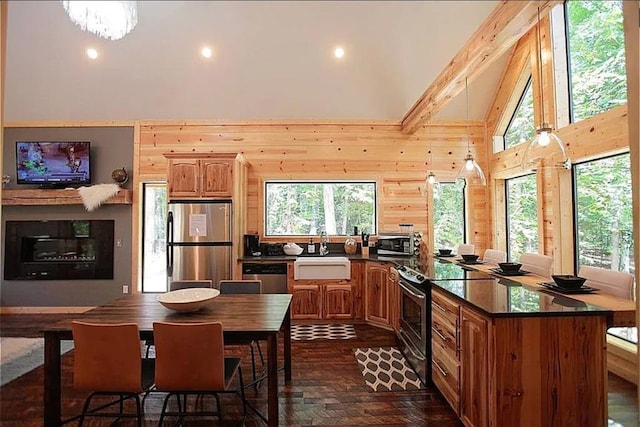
13 197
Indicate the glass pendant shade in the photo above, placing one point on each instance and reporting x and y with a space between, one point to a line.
471 172
546 151
107 19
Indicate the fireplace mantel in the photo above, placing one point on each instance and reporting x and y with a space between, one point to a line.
14 197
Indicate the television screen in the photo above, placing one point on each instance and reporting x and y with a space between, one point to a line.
53 163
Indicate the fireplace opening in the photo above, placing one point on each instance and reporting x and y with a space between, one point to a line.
59 250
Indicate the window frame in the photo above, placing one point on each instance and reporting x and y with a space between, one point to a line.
266 182
143 228
528 85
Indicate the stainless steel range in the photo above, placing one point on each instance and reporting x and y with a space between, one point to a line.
415 321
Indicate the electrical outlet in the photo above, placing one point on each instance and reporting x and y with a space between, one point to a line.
125 289
119 243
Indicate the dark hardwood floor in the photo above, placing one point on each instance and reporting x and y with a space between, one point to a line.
327 389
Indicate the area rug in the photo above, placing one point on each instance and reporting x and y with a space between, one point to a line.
322 332
21 355
386 369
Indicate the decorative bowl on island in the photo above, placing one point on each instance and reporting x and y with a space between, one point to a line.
444 251
292 249
469 257
188 300
568 281
509 267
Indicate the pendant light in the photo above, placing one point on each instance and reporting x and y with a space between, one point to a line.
431 177
546 149
111 20
471 173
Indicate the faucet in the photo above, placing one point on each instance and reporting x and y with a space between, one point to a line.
324 239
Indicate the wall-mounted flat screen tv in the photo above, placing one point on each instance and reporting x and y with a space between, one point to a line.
53 163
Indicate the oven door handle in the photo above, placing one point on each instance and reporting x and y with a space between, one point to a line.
409 291
408 347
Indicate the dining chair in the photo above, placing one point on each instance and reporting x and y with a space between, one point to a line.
542 265
107 362
190 361
465 249
247 287
187 284
612 282
494 256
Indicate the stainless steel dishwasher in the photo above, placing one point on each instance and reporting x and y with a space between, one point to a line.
272 274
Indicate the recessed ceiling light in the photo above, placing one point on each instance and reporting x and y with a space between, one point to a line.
206 52
338 52
92 53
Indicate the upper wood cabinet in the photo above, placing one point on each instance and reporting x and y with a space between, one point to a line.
210 176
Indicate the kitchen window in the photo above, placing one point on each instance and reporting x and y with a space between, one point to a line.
604 219
448 215
154 233
522 216
596 57
306 208
521 128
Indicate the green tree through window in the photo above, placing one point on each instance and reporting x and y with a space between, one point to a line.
522 216
448 215
521 127
596 56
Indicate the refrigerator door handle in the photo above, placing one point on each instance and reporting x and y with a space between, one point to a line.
170 243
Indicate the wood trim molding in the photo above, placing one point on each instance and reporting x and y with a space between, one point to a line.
44 310
69 124
508 22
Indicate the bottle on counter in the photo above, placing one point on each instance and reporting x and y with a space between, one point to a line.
311 248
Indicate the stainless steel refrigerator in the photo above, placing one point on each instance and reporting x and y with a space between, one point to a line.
199 245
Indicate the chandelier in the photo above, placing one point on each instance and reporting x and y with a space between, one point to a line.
108 19
546 149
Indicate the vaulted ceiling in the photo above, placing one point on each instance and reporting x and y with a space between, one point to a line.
272 60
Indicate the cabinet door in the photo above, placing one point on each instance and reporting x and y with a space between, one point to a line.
306 302
377 294
338 302
217 178
394 299
184 178
474 382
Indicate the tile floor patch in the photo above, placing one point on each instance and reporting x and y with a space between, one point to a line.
386 369
322 332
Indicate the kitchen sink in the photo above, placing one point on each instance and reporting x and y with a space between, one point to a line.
322 267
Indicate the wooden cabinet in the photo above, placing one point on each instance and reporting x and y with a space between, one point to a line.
394 299
377 293
326 299
445 358
208 176
475 366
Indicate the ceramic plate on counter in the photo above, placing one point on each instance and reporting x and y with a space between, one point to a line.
509 273
582 290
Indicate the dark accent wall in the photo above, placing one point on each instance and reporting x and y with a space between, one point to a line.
111 148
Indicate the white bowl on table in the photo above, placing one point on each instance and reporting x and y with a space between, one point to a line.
188 300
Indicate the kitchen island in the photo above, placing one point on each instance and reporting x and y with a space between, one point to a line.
506 353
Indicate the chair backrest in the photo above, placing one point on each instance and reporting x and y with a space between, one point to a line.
618 283
186 284
494 256
107 357
465 249
189 356
542 265
241 286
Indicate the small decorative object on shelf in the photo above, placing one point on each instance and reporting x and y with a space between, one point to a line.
5 180
120 176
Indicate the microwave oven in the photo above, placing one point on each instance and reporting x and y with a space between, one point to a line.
407 244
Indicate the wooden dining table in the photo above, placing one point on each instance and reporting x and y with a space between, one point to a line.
244 318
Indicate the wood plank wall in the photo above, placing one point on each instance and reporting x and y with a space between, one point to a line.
326 151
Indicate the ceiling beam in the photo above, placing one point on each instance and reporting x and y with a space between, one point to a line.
509 21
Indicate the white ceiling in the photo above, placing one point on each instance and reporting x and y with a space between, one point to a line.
272 60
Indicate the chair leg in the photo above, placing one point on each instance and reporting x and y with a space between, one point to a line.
164 407
218 407
242 396
253 366
139 410
85 408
